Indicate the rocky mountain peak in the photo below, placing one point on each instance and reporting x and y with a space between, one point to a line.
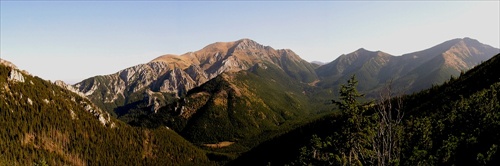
470 40
362 53
466 41
245 44
474 45
361 50
459 43
468 46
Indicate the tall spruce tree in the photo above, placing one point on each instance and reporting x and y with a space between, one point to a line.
355 137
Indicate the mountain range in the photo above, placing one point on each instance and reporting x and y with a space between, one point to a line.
409 72
173 74
238 91
211 105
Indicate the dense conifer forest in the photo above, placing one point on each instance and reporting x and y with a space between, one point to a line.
44 123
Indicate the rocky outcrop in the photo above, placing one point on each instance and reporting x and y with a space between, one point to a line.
62 84
16 76
197 74
177 81
153 100
102 116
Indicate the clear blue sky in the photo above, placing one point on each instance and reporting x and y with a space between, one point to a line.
71 41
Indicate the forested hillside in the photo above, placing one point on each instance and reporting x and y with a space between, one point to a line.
45 124
456 123
244 108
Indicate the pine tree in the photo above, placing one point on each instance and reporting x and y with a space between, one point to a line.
354 139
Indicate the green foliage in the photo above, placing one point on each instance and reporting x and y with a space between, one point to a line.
355 137
315 154
41 162
279 149
461 132
453 123
349 142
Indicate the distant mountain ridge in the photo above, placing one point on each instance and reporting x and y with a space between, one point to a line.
412 71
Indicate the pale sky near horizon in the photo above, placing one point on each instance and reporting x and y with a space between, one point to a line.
74 40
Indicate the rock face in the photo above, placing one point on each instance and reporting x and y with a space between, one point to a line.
177 74
15 75
154 100
102 116
68 87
